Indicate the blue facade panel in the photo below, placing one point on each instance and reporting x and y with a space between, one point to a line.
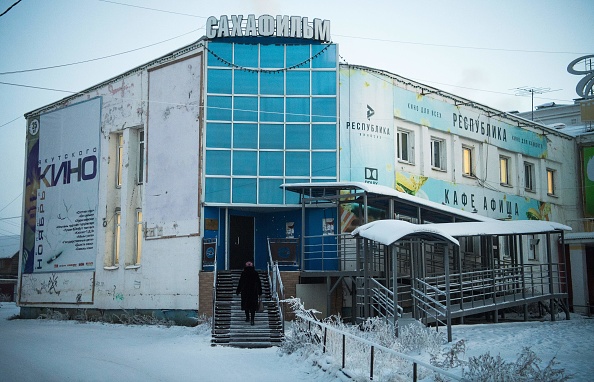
271 114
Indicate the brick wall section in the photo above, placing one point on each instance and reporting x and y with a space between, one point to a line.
290 281
205 280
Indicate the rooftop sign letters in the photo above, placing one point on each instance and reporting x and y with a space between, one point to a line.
584 88
268 26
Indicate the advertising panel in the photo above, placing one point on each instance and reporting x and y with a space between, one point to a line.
367 137
467 122
62 188
486 202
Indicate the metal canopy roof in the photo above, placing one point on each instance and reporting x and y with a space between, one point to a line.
376 193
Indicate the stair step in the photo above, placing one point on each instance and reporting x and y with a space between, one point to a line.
230 327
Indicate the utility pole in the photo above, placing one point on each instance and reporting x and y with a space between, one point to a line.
524 90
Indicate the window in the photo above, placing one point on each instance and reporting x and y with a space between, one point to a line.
533 252
117 229
140 156
469 244
275 127
139 236
467 161
438 159
119 159
404 149
504 171
550 181
528 176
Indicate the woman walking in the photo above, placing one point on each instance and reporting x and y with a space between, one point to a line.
250 288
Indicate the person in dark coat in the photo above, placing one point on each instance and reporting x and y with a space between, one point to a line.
250 288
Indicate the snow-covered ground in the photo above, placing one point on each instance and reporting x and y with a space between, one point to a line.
49 350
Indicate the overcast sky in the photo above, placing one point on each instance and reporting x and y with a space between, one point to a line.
480 50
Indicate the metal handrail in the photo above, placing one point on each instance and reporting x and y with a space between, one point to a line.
276 284
427 301
506 283
337 249
214 291
383 299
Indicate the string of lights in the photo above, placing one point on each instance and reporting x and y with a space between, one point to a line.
260 70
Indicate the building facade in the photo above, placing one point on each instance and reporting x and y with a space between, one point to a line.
576 119
138 187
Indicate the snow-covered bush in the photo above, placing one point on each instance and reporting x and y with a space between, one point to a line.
417 338
486 368
127 318
53 314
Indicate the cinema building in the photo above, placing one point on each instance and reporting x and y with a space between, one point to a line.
255 144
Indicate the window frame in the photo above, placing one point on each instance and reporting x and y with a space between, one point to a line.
469 246
529 176
468 172
141 148
139 237
505 171
409 146
441 166
551 175
119 160
533 251
117 234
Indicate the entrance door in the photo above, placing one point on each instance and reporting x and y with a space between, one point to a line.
241 241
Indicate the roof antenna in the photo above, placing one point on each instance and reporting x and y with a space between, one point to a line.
524 90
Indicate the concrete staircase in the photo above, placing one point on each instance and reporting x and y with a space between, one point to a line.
230 327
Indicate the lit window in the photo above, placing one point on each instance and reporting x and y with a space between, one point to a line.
119 160
140 156
550 181
504 170
467 161
139 236
438 160
117 229
404 142
528 176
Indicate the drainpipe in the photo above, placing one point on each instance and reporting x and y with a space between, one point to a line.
522 273
447 280
303 232
551 282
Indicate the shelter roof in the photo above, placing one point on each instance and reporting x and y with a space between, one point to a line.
389 231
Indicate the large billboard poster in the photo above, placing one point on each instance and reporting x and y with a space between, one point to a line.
62 188
367 137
